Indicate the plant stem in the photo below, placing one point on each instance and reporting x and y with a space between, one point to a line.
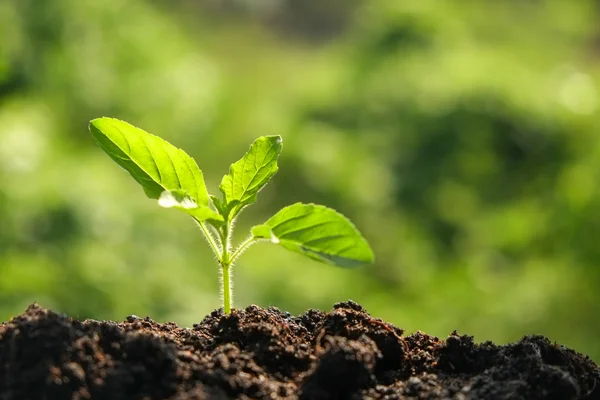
209 238
226 283
226 263
242 247
223 256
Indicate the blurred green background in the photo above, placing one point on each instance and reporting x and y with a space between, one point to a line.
461 137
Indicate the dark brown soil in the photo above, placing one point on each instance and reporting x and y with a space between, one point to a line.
268 354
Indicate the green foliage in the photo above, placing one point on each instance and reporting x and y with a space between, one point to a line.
151 161
169 174
317 232
250 174
183 201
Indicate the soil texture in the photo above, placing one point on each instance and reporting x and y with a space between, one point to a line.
257 353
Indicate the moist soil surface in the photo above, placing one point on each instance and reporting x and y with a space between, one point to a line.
257 353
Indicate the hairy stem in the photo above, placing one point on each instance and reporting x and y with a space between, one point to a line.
209 238
226 285
223 256
226 263
242 247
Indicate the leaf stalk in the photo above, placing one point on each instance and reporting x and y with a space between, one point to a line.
243 247
209 238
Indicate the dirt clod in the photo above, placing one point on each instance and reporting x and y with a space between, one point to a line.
257 353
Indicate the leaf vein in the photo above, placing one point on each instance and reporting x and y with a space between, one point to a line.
297 217
187 164
306 228
173 165
325 238
245 189
160 179
128 152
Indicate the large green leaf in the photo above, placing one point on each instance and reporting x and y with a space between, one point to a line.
317 232
153 162
250 174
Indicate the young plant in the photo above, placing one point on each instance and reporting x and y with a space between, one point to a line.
169 175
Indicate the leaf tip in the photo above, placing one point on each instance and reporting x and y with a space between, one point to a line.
277 141
94 123
100 123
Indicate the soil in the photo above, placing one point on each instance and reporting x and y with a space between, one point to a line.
257 353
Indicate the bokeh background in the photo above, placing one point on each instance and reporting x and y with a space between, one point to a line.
462 138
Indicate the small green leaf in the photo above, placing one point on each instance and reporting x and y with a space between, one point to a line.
153 162
318 232
183 201
250 174
218 203
223 208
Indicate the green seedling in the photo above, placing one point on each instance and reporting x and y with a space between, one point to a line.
169 175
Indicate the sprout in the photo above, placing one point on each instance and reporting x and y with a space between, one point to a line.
169 175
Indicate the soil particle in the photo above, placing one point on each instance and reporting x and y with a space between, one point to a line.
257 353
343 367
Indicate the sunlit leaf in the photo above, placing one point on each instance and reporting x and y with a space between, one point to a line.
184 202
318 232
152 162
250 174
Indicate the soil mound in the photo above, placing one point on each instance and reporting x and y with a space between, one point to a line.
257 353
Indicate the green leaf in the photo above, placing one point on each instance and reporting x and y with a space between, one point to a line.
183 201
153 162
223 208
318 232
250 174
